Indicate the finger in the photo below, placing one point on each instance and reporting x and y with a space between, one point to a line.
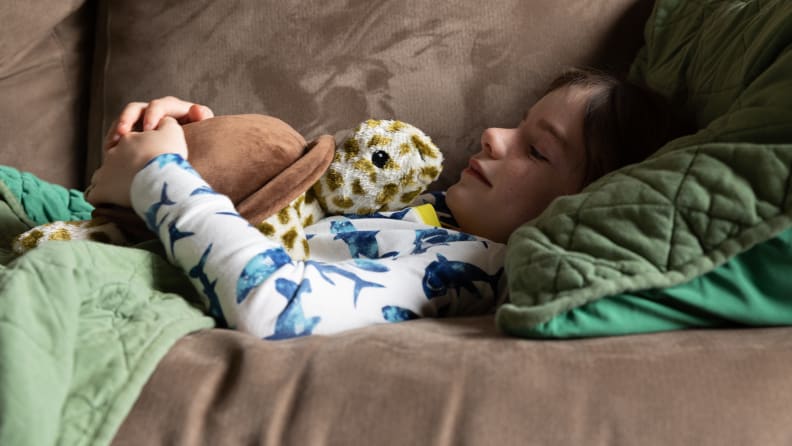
167 106
112 137
129 117
199 113
91 194
206 112
87 193
168 124
95 196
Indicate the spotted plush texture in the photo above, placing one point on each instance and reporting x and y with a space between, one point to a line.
287 227
383 166
98 230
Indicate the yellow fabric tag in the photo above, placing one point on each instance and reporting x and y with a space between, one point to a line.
428 214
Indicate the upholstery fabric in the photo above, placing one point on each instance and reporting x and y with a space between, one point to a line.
449 67
44 66
459 381
453 381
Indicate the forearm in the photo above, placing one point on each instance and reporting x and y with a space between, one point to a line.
249 280
203 234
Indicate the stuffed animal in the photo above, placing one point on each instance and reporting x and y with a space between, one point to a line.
384 165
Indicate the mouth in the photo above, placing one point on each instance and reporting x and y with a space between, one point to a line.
474 170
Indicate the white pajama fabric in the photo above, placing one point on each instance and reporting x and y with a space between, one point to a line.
363 270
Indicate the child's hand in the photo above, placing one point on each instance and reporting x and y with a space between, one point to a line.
110 183
147 115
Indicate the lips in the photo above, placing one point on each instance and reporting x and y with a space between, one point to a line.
474 169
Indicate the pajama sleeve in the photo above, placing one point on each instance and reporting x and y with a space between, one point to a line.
250 283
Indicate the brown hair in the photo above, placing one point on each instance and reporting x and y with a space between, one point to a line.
624 122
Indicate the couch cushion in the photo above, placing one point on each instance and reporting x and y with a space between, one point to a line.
458 381
695 204
450 67
44 65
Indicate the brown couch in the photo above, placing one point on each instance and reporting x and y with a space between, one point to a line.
453 68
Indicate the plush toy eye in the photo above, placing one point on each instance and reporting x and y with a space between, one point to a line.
380 158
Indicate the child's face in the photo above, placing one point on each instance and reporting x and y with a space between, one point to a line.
519 171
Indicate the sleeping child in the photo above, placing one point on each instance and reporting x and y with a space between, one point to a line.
387 266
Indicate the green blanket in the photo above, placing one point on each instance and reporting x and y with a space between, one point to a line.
82 325
697 203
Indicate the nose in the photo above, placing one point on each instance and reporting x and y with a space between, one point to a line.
494 142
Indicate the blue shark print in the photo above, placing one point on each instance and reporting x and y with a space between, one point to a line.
360 243
292 322
371 265
395 313
325 269
397 215
151 212
206 190
443 274
232 214
172 158
426 238
341 226
203 190
197 272
259 269
175 234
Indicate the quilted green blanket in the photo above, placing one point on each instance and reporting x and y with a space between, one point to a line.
697 203
82 325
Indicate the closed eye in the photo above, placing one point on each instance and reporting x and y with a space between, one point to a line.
535 153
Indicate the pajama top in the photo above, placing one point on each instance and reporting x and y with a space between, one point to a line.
363 270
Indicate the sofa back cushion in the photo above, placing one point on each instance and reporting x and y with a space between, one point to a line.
45 56
450 67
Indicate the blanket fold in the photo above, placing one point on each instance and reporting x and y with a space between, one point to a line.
82 324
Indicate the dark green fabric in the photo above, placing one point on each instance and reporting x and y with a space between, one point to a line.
751 289
695 204
42 202
82 325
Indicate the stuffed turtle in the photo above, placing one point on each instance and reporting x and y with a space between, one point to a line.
278 182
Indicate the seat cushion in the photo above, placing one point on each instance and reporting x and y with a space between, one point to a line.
460 381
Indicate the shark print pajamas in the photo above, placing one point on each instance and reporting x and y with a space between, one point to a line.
363 270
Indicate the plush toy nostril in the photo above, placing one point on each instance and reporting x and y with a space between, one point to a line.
380 158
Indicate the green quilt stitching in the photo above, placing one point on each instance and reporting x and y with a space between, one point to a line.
702 198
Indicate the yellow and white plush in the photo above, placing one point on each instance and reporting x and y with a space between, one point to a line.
98 230
383 166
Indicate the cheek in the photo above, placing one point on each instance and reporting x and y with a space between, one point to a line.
525 193
519 178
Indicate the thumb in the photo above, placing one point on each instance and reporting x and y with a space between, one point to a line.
167 122
170 126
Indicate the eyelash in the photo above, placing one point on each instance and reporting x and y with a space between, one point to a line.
533 152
